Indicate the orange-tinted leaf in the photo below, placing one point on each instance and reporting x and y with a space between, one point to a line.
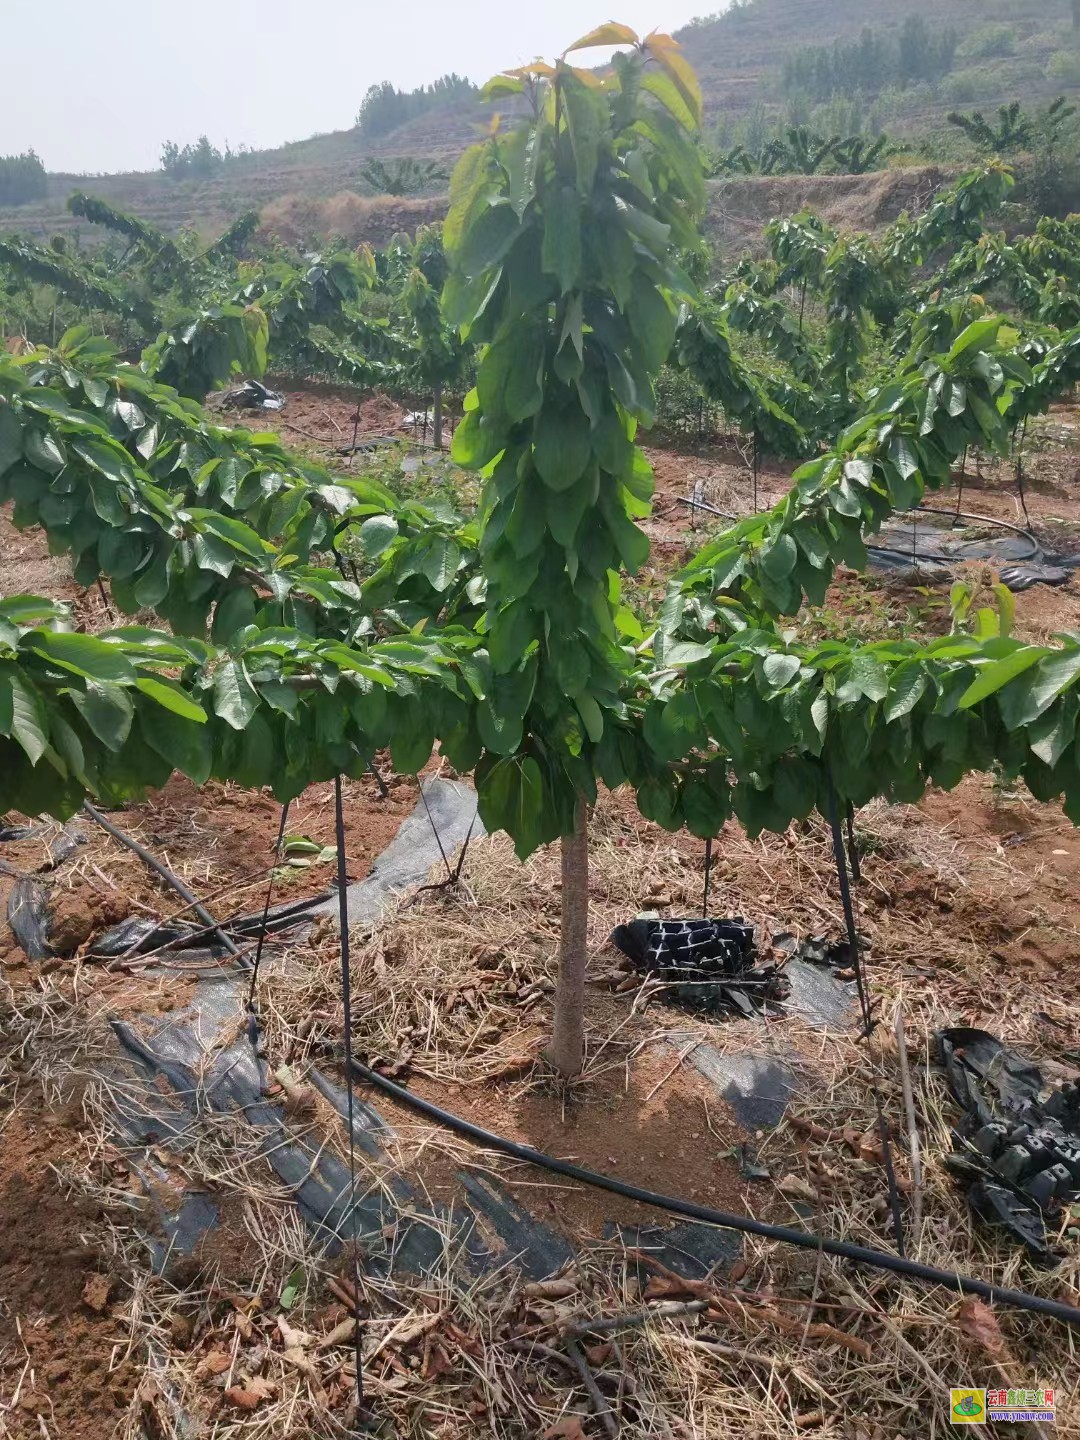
610 34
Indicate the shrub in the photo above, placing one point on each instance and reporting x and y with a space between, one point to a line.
988 41
1063 67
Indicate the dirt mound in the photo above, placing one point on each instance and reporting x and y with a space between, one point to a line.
300 219
739 207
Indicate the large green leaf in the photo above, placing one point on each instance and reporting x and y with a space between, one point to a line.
108 710
235 699
561 255
561 447
998 673
29 722
82 655
171 696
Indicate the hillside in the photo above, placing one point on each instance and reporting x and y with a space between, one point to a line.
1003 53
739 55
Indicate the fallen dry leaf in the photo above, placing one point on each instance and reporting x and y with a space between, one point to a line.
96 1292
215 1363
672 1287
251 1395
796 1188
979 1323
291 1338
568 1428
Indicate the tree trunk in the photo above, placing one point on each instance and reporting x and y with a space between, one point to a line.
436 418
567 1049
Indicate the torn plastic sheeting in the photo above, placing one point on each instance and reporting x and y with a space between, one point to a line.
26 915
1018 1145
138 935
251 395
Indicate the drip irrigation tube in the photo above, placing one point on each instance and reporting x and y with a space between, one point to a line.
166 874
805 1240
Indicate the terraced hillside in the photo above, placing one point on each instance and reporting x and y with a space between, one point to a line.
1004 52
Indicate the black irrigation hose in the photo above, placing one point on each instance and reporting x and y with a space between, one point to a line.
805 1240
174 881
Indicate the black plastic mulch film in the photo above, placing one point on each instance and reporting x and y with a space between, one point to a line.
802 1239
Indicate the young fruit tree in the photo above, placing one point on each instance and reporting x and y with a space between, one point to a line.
507 638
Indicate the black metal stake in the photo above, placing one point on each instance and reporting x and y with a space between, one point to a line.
864 1003
852 845
346 1002
708 877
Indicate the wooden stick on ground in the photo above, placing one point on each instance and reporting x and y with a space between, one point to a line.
599 1404
668 1310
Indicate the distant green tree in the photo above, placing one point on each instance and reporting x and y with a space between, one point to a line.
384 107
923 55
22 178
192 162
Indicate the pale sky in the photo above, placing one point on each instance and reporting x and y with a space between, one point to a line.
99 87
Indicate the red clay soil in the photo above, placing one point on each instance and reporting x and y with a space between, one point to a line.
63 1338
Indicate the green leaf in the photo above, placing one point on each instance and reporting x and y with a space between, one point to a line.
185 745
377 533
795 787
974 335
172 696
780 670
1025 701
290 1291
867 676
82 655
592 717
587 121
233 613
440 563
778 558
29 723
108 710
998 673
906 689
10 437
235 698
561 447
521 153
561 252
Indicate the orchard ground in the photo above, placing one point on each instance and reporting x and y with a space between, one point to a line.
970 900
